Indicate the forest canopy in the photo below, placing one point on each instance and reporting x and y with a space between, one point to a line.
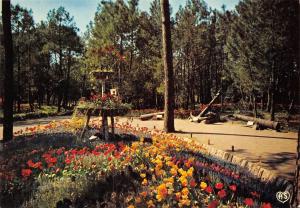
250 53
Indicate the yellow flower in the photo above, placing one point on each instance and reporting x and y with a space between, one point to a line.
145 182
184 202
190 171
143 175
142 166
203 185
150 204
138 200
130 206
183 181
182 172
169 180
165 206
185 191
173 171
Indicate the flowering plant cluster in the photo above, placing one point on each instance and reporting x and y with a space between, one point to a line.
169 172
110 103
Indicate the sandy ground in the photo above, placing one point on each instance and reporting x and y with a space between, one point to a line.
272 150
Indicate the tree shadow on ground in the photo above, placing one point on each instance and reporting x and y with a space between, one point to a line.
39 121
230 134
277 159
236 151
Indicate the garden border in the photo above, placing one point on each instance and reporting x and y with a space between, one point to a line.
263 174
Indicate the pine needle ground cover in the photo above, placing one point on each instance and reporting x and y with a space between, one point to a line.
43 167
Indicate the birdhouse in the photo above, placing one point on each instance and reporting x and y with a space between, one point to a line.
113 92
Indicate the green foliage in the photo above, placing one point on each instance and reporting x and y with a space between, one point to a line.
259 46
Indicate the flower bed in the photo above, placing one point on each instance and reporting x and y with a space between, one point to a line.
158 170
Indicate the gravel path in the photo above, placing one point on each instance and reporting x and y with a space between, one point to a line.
272 150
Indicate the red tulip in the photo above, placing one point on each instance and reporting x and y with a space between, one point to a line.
249 202
232 188
213 204
219 186
255 194
222 193
67 161
30 163
208 189
266 205
26 172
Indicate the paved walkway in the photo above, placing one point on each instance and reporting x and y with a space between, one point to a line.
273 150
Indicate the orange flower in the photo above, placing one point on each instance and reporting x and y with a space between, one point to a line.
185 191
173 171
162 192
144 193
184 181
177 196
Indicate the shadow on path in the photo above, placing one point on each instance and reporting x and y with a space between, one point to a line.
239 135
276 159
40 121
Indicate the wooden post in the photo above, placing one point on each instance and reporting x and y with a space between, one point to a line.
105 126
86 125
103 87
112 121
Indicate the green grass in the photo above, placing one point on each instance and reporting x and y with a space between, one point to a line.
44 111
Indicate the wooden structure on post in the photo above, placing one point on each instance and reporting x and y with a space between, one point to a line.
103 75
105 114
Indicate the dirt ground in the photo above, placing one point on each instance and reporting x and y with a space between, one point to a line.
273 150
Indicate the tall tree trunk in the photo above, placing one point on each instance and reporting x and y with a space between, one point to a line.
272 111
66 89
168 67
254 106
19 80
8 72
268 108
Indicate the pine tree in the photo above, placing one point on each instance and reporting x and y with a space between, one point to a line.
8 72
168 67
